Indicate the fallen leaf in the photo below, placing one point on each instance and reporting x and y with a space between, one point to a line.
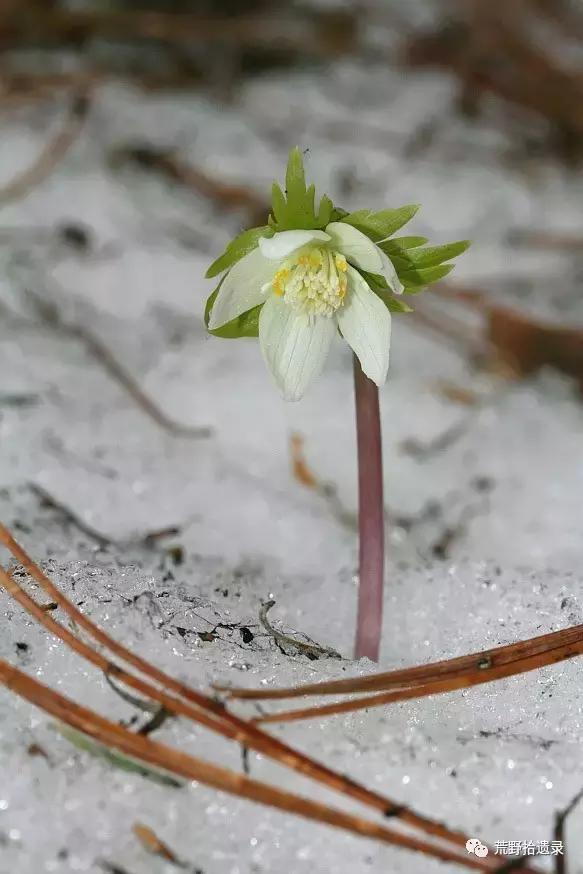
152 843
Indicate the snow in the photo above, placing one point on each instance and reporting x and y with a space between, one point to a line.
498 761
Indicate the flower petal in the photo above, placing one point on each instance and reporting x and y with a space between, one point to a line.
390 274
241 288
285 242
294 347
365 323
355 246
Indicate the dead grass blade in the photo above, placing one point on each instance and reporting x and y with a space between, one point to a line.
188 767
520 344
490 48
99 351
152 843
421 674
226 196
206 711
319 34
476 677
53 152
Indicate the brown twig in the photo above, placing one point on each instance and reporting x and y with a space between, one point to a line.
152 843
553 241
51 316
304 475
226 196
312 650
319 34
479 675
300 467
479 664
119 374
206 711
174 761
559 831
523 345
65 511
53 152
489 48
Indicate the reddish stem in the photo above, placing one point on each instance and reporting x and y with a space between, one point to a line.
370 517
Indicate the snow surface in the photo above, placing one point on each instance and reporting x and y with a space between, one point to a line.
498 761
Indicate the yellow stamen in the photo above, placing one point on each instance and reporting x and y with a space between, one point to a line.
341 262
313 281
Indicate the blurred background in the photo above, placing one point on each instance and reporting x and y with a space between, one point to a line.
154 468
138 138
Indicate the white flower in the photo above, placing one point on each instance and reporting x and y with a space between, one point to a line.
310 288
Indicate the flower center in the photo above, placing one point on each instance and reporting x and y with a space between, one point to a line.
313 281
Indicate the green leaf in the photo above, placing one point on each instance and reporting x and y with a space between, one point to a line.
379 285
295 209
397 305
378 225
375 279
119 760
245 325
398 245
431 256
337 214
295 177
415 280
325 211
237 248
278 202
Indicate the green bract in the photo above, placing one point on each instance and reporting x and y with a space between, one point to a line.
415 265
241 245
295 210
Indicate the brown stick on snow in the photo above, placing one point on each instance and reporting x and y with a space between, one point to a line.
170 760
53 152
180 699
227 196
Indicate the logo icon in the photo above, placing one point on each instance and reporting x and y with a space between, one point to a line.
476 848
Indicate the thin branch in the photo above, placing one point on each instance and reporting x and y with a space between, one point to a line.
319 34
476 677
226 196
51 316
148 538
53 152
312 650
543 647
553 241
560 828
206 711
70 515
119 374
174 761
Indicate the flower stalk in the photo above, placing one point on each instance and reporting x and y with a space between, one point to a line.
371 522
315 273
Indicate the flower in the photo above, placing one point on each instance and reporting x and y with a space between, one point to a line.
310 286
309 274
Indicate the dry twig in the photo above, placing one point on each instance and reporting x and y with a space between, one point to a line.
490 49
208 712
173 761
52 154
152 843
51 316
437 678
226 196
521 344
318 34
312 650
